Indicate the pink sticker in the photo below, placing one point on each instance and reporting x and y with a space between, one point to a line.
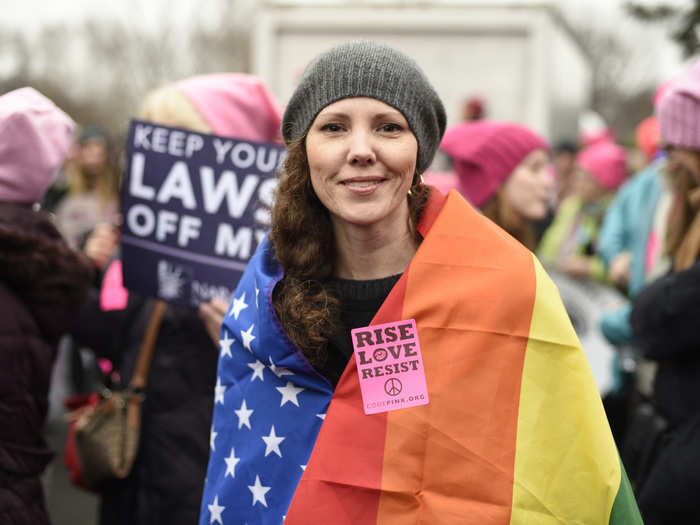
390 366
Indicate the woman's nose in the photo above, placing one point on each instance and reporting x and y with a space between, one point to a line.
361 151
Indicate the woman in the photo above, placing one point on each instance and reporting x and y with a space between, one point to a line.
42 284
165 484
501 168
664 318
357 239
569 244
91 196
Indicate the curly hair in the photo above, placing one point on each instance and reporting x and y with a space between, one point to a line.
302 238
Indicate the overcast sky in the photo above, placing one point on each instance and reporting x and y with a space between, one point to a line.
652 49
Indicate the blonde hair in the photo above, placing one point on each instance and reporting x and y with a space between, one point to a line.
104 185
167 105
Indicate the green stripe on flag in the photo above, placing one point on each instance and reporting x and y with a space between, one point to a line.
624 510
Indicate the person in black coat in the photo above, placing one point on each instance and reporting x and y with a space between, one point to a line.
42 284
665 319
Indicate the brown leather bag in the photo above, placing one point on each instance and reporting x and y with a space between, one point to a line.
107 433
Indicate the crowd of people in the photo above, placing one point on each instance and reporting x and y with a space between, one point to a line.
365 233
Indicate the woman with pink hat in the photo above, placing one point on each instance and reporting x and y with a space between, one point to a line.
664 323
569 243
501 168
165 484
42 284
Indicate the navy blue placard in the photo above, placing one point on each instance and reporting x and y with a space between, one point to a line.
195 207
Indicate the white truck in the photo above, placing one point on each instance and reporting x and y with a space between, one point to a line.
520 56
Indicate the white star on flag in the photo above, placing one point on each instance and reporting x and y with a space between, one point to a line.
243 415
237 306
212 438
257 291
289 393
272 442
321 416
231 463
279 371
248 337
259 491
225 344
219 390
215 511
303 467
258 368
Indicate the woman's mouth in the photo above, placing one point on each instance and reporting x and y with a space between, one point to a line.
362 183
364 186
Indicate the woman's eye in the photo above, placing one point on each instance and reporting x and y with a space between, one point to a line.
391 127
331 127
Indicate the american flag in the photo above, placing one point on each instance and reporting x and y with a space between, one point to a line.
268 409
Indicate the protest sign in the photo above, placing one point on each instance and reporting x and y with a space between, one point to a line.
195 207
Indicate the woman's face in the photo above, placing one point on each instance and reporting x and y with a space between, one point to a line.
529 188
93 156
362 157
587 187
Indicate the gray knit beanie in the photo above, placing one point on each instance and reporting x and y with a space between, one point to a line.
368 69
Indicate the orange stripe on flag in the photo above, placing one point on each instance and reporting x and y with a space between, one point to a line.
471 290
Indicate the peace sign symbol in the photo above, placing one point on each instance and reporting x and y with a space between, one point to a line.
393 386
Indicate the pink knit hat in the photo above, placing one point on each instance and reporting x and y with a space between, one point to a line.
35 136
647 137
678 111
235 105
485 153
606 162
442 181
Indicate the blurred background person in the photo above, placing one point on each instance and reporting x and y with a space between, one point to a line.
91 191
42 284
664 322
564 166
647 137
569 244
501 168
165 484
474 108
630 245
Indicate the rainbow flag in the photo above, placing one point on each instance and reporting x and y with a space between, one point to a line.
515 430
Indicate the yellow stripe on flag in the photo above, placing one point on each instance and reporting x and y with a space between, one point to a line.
566 465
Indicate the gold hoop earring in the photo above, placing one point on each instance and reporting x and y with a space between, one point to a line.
420 181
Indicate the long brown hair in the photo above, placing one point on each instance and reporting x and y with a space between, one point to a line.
500 211
682 241
304 244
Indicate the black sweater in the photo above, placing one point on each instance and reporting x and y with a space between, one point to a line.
665 321
359 302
